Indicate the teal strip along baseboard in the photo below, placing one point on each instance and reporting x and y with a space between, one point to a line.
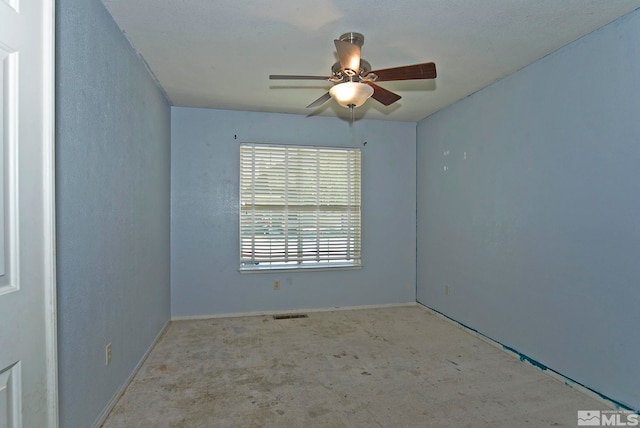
534 362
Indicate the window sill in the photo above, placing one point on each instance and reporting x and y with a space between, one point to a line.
298 268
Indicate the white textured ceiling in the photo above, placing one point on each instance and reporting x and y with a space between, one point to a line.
219 54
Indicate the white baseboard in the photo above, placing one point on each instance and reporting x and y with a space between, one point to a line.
105 412
559 377
289 311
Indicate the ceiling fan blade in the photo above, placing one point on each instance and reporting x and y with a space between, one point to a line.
382 95
349 55
294 77
426 70
323 99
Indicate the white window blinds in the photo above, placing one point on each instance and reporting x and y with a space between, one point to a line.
299 207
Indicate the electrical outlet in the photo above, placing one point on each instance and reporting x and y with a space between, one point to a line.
276 284
108 354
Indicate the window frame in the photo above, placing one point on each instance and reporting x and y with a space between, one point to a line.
315 266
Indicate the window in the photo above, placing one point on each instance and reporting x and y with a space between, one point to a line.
299 207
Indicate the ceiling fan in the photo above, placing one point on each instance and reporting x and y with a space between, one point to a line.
354 79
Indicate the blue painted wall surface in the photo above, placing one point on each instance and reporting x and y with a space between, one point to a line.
204 217
113 205
535 223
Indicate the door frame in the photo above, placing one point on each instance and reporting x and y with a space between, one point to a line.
49 234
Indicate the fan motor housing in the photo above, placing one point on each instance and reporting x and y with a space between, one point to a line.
336 70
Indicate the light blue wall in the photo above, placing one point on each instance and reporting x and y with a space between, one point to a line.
113 204
204 214
537 231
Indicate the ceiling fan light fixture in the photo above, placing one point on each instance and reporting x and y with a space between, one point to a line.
351 94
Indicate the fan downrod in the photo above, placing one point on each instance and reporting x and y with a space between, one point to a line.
353 38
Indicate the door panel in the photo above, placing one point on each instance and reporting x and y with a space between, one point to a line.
10 397
9 90
27 327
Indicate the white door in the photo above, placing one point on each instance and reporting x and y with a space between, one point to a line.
27 269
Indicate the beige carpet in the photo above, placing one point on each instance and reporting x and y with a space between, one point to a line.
390 367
